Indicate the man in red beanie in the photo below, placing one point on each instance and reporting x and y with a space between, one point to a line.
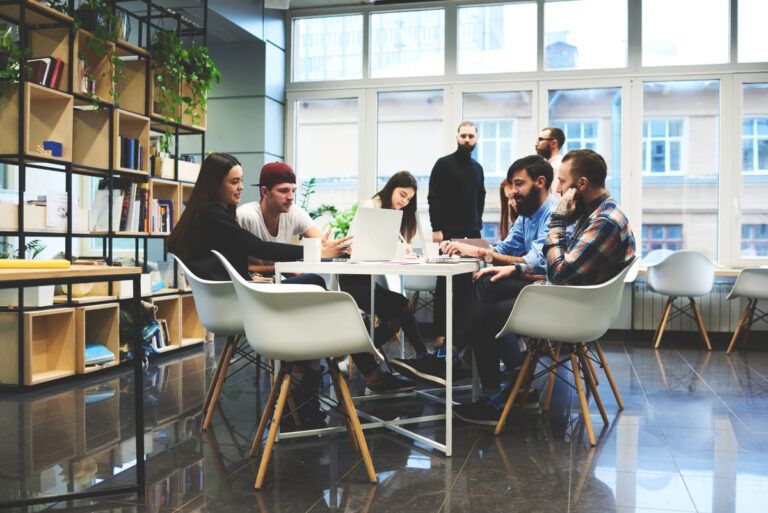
275 217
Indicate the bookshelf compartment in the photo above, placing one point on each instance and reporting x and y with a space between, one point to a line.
169 310
91 138
35 220
52 42
49 118
93 65
134 127
130 86
197 117
97 324
164 206
192 330
163 168
169 110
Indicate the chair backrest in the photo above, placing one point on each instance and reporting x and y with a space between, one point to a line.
629 278
656 256
216 303
752 283
299 322
420 283
584 312
682 274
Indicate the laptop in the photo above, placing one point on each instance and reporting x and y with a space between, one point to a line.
376 232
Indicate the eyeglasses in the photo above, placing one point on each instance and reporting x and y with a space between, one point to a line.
546 139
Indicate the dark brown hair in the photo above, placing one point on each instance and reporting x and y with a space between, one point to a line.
214 170
589 164
406 180
508 218
557 134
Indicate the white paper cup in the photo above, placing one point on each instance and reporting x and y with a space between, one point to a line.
432 249
312 248
402 250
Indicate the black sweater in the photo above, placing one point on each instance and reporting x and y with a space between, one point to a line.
215 228
456 193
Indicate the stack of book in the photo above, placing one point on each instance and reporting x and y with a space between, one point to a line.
132 154
85 78
162 216
46 71
130 206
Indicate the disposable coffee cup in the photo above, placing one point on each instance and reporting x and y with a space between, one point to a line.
312 247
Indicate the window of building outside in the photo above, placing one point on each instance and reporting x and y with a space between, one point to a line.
497 38
490 231
326 148
683 32
662 236
494 148
688 198
409 136
591 118
662 146
578 134
598 40
754 240
407 43
754 178
751 36
328 48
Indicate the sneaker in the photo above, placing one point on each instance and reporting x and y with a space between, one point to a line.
429 368
531 402
480 412
390 384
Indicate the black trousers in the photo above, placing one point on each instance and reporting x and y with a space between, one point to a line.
390 306
462 289
493 302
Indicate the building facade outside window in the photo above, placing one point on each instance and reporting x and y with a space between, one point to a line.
754 147
579 135
754 240
495 145
662 146
328 48
407 43
662 236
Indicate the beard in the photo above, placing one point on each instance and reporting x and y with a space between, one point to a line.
528 205
544 152
466 148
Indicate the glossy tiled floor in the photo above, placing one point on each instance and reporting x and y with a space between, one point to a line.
693 438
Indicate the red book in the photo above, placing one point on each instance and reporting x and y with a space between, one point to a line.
56 76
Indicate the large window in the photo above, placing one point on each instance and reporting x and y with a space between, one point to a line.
685 32
754 240
591 118
326 135
579 135
662 146
497 38
754 179
690 198
328 48
662 236
410 136
752 16
597 40
407 43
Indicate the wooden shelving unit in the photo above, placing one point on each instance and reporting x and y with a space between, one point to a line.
156 96
90 137
52 42
134 126
97 324
164 190
93 64
131 85
192 330
169 309
189 120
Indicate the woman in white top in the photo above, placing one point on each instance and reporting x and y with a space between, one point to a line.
391 307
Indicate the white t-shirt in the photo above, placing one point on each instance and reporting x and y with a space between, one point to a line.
295 222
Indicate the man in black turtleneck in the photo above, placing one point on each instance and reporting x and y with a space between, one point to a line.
456 191
456 202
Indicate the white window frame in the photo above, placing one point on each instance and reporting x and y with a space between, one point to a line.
648 139
581 122
483 137
289 55
756 138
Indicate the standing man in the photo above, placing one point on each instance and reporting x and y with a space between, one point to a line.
457 191
549 145
456 202
275 217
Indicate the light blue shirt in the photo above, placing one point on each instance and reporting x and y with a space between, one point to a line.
527 236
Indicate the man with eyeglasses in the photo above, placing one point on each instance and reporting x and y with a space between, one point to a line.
549 145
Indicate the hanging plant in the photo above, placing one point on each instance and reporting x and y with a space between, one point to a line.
98 17
200 74
11 54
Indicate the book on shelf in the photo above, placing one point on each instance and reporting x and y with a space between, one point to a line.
165 215
46 71
131 153
164 333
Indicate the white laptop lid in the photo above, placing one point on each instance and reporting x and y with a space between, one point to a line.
376 232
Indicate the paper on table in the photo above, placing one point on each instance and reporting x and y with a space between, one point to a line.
56 208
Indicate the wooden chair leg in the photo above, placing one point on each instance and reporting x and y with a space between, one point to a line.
226 357
591 365
294 410
531 373
739 325
750 320
582 399
591 386
215 377
284 389
358 430
700 322
552 377
608 374
522 375
267 413
663 323
343 406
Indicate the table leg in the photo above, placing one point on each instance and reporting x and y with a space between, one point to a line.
448 365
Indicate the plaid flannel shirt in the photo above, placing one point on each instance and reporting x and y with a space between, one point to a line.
600 246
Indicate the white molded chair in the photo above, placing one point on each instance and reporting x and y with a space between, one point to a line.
219 312
751 284
584 315
290 323
681 274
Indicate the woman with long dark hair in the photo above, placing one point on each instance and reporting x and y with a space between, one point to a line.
508 209
392 308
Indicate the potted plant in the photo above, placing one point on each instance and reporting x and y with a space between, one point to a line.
98 17
11 53
33 296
